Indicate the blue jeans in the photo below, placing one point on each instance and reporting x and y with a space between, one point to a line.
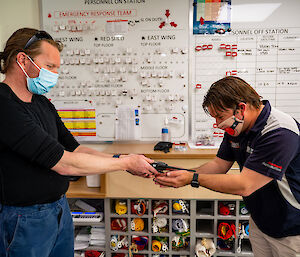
41 230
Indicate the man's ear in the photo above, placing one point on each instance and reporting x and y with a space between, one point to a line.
241 108
21 58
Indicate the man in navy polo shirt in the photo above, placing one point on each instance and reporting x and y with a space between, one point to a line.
265 143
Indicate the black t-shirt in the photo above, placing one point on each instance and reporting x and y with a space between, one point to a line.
32 141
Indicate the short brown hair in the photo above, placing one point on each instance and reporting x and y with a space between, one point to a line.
228 92
16 44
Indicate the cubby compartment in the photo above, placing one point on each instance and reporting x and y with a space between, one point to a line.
180 243
246 246
227 208
119 224
181 226
139 224
119 206
205 227
226 228
226 232
87 211
243 228
180 207
119 242
160 225
139 207
243 211
225 245
88 205
160 207
205 208
204 246
160 245
141 242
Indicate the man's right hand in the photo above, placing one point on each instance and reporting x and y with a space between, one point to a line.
139 165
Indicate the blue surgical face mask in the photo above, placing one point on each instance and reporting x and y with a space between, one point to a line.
43 83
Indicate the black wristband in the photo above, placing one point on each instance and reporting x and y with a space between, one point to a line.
195 182
116 155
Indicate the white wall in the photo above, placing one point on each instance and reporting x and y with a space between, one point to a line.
15 14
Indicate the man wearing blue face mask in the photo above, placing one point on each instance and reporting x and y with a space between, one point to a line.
38 153
41 84
265 143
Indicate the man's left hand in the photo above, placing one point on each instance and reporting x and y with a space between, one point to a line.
175 178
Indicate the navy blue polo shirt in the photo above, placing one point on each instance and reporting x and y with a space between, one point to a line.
272 148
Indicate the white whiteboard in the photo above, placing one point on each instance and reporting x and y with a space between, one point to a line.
265 38
127 54
143 54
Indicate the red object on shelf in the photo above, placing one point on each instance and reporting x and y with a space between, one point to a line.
224 210
226 230
119 224
119 255
92 253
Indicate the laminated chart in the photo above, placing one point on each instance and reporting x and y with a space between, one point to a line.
211 16
80 122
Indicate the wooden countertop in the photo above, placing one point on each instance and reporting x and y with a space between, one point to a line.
148 150
121 184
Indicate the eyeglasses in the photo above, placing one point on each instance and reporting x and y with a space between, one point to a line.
36 37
